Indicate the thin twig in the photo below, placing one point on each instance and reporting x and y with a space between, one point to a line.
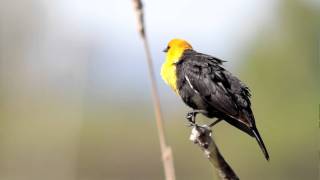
201 135
166 152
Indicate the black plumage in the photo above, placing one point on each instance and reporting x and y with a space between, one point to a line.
205 85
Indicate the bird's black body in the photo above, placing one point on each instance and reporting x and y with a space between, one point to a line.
204 85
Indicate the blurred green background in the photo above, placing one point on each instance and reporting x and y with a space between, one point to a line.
75 96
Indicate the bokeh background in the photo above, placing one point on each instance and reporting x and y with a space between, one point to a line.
75 96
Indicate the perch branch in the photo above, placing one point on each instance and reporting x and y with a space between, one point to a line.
167 157
201 135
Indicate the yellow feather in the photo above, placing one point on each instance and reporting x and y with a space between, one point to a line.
168 70
168 74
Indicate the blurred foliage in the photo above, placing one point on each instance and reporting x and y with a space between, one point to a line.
283 72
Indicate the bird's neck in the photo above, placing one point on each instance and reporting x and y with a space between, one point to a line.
174 55
168 72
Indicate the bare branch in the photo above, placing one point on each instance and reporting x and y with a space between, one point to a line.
138 6
167 157
201 135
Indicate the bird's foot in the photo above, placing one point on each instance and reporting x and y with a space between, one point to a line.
191 117
191 124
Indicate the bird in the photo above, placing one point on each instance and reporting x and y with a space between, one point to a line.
208 88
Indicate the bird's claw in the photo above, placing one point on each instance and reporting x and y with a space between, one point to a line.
190 117
191 124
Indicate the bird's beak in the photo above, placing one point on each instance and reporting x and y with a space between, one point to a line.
166 49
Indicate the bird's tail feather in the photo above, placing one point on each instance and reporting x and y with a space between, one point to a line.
260 142
252 131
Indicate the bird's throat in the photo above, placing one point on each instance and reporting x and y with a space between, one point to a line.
168 70
168 74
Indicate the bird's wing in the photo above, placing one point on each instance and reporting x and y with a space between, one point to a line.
216 86
223 91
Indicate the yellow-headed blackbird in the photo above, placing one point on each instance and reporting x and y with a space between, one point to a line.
208 88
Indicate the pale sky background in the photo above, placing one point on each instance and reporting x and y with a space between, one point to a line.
118 60
104 35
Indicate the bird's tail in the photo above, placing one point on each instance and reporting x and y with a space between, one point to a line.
260 142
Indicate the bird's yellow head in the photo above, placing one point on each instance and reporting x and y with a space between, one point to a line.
175 49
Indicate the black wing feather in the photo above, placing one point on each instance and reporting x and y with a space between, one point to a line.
215 85
221 90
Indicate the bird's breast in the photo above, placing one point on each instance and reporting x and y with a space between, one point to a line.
169 75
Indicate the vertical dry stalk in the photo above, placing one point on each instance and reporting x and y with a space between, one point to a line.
201 135
166 152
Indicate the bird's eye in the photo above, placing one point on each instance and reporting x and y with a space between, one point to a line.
166 49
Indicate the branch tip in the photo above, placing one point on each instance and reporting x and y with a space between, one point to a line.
201 135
